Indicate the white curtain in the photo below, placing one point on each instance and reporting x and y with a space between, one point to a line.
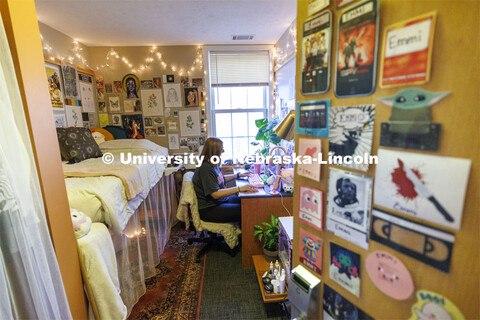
30 282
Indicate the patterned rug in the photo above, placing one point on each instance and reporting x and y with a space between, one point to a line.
175 290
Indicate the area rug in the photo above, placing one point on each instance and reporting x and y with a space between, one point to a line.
175 290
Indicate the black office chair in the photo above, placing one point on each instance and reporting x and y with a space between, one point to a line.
187 212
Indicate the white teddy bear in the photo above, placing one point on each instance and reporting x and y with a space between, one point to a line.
81 223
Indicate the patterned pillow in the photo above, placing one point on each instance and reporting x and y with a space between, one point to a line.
78 144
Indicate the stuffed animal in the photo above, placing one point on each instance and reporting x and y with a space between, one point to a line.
81 223
287 178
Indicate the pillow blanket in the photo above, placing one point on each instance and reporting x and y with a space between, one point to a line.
81 223
78 143
117 132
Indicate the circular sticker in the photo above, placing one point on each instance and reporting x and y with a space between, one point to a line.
389 275
431 305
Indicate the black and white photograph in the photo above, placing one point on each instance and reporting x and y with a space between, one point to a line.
348 204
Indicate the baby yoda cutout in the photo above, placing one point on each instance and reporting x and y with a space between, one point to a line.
410 125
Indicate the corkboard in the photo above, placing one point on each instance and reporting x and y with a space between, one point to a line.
455 66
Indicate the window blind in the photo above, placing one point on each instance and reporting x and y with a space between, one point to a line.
237 69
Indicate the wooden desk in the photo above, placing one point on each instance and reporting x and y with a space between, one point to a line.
261 265
255 210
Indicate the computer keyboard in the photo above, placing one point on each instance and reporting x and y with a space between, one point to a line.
255 180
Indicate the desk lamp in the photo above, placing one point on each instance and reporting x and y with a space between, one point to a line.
286 131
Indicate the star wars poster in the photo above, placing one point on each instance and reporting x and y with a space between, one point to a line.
336 307
345 268
310 206
316 41
351 133
348 206
357 50
428 187
311 248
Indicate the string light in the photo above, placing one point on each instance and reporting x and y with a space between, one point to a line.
112 53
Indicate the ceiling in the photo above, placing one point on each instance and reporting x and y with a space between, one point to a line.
167 22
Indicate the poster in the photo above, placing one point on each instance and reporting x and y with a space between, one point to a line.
74 116
419 241
357 50
389 275
117 86
60 121
350 133
345 268
173 95
312 117
310 203
128 105
149 132
99 81
172 125
428 187
114 104
103 119
102 106
173 141
191 97
54 85
100 94
189 123
85 77
116 120
311 248
158 120
108 88
316 42
407 51
311 148
70 82
336 307
348 206
134 125
88 101
157 82
432 305
147 84
152 101
131 85
161 131
197 82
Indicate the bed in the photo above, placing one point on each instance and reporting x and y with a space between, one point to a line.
137 202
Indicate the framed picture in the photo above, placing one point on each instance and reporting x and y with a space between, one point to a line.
191 97
54 85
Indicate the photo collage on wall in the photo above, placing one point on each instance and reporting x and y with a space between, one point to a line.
425 187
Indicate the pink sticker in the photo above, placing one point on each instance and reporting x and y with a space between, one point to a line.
310 206
389 275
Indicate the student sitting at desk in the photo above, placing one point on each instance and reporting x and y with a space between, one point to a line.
215 202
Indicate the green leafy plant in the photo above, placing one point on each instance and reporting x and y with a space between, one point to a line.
266 134
268 232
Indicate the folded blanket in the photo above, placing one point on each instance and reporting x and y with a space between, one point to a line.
100 274
130 175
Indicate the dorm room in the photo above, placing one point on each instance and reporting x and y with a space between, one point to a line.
92 85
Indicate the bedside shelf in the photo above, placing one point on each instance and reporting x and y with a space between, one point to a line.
261 265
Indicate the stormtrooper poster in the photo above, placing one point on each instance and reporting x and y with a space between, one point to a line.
345 268
351 133
348 206
310 206
311 248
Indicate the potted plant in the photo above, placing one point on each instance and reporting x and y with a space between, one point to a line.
268 232
266 134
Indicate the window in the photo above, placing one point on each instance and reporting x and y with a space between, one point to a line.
239 95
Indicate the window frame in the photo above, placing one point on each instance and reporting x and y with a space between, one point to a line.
209 112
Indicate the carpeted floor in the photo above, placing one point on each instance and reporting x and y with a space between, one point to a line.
174 292
230 292
226 292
